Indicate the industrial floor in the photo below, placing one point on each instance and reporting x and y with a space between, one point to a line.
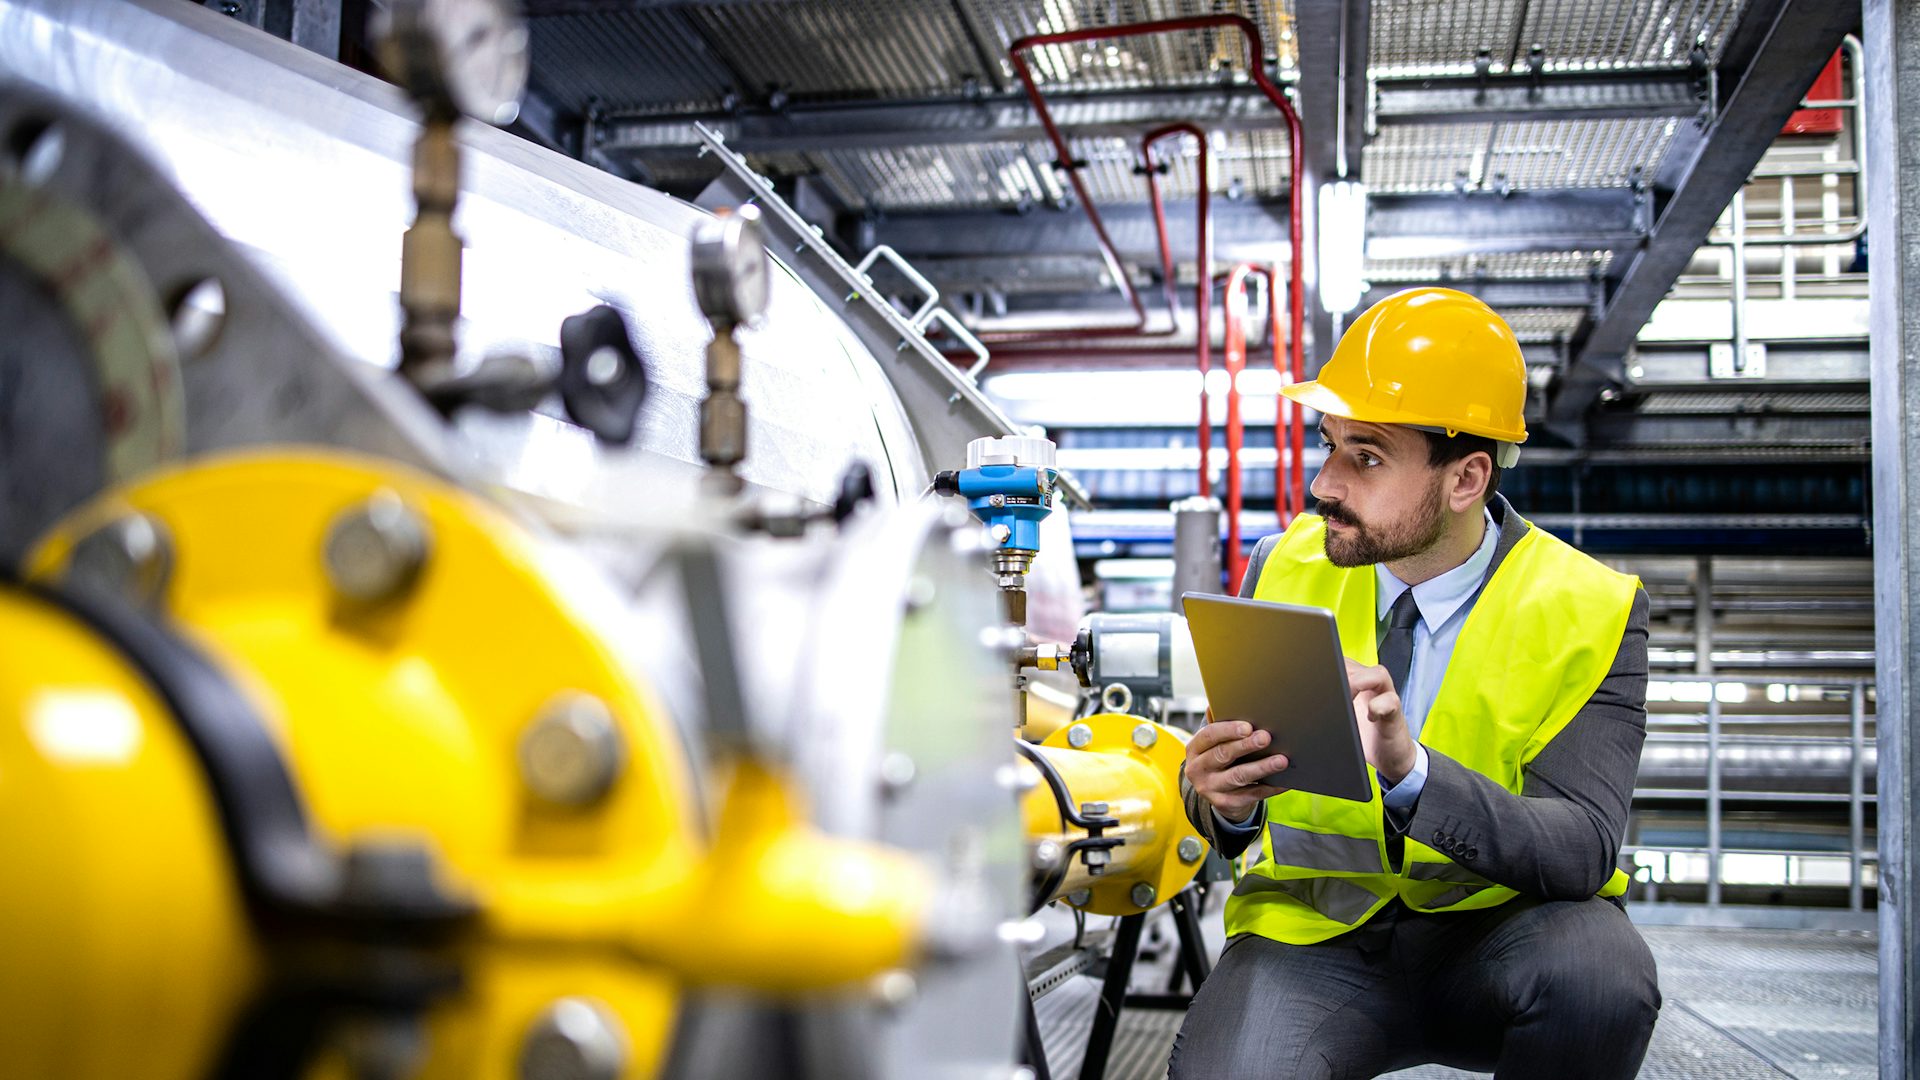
1740 1004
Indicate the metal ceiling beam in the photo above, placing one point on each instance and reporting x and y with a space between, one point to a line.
1504 292
1401 226
1443 226
801 127
1244 229
1555 95
1769 61
1336 108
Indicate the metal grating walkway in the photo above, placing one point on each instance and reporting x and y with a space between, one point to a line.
1740 1005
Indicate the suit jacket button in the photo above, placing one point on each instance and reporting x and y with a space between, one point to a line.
1472 853
1439 839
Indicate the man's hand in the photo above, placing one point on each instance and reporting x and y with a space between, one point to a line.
1383 727
1233 790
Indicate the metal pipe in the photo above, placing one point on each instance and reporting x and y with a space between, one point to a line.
1255 57
1713 797
1703 615
1740 279
1857 790
1203 261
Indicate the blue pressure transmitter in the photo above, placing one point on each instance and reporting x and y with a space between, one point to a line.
1008 484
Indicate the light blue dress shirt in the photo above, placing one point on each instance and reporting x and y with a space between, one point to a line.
1444 602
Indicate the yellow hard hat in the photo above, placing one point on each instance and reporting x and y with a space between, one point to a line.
1432 358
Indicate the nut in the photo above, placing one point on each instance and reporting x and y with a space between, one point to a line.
1079 735
574 1039
1191 849
130 557
572 752
1142 895
1145 735
375 551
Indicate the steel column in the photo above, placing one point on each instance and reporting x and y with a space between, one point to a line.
1892 41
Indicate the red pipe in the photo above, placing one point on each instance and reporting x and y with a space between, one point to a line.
1256 53
1235 301
1203 263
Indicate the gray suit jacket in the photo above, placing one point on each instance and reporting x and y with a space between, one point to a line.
1559 838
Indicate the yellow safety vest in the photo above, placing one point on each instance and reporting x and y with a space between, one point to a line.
1535 647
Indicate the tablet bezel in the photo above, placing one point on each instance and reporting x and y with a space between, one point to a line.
1280 668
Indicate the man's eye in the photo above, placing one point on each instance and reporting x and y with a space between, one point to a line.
1326 445
1367 459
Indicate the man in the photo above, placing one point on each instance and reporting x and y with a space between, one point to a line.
1468 914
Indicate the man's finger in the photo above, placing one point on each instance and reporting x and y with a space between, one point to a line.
1227 753
1261 791
1216 733
1361 679
1255 771
1382 707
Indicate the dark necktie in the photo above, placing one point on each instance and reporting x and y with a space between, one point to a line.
1396 649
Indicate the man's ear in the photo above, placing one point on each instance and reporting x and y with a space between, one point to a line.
1468 489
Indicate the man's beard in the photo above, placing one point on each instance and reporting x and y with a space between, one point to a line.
1364 545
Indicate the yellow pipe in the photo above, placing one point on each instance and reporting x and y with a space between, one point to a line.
127 948
1132 766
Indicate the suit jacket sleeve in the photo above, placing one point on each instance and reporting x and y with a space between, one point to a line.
1199 810
1560 837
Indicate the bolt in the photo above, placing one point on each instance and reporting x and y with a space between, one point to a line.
1142 895
894 988
1093 809
996 500
1079 735
130 557
574 1039
896 772
1001 533
1191 849
572 752
1079 897
1145 735
921 591
1096 860
1046 855
375 551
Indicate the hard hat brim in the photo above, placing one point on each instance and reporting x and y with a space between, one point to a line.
1324 399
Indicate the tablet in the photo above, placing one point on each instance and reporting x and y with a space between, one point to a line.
1279 668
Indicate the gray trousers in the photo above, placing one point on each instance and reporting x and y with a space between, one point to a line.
1529 989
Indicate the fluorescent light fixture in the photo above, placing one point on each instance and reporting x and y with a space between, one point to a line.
1343 244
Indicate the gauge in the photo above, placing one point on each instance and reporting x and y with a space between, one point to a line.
731 278
467 55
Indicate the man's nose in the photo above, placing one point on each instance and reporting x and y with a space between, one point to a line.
1325 484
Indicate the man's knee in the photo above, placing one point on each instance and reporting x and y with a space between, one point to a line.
1594 969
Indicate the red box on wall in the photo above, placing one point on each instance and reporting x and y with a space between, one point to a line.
1826 87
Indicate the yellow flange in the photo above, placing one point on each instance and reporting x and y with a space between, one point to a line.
430 673
1131 768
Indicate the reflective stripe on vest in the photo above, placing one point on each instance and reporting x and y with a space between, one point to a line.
1535 647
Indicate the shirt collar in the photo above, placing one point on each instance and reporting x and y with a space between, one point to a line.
1440 597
